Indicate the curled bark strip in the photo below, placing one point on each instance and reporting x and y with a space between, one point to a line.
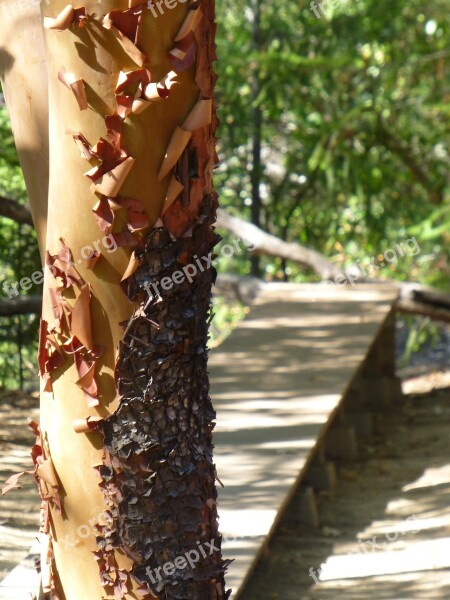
61 267
124 25
82 144
67 17
87 425
200 115
104 215
46 472
138 78
139 105
110 183
161 90
46 562
108 152
86 381
62 21
81 326
173 191
182 55
133 266
92 260
50 355
190 23
76 86
177 144
12 483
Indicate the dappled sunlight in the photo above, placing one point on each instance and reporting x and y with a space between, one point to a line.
283 414
246 523
271 385
431 585
404 554
432 477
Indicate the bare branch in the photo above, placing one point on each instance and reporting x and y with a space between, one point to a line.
11 209
21 305
264 243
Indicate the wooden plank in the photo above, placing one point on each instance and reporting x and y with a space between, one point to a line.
308 512
277 382
321 477
340 442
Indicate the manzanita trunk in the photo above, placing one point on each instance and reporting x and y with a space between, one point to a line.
124 449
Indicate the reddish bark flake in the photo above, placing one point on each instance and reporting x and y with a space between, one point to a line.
104 215
87 425
76 86
13 482
62 21
81 326
124 25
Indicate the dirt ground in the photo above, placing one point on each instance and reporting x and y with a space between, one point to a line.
19 509
384 533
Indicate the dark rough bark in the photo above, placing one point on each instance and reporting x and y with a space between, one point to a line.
161 476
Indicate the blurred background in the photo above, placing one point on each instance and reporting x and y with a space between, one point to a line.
334 135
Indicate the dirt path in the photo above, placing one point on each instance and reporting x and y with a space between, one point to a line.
19 510
385 532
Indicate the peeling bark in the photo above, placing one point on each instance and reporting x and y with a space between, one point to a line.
159 476
132 136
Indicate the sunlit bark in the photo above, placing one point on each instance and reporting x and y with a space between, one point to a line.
126 472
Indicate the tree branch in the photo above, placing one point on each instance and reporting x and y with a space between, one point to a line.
11 209
436 195
21 305
413 297
264 243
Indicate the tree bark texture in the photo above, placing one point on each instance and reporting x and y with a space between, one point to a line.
124 447
24 85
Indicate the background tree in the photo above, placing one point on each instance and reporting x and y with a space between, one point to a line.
354 109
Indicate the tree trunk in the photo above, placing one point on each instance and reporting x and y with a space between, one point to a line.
24 83
257 122
126 472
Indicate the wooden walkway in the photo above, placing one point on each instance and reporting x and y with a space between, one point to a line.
277 384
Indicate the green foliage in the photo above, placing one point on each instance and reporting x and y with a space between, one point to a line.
226 316
422 333
19 257
354 141
355 123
